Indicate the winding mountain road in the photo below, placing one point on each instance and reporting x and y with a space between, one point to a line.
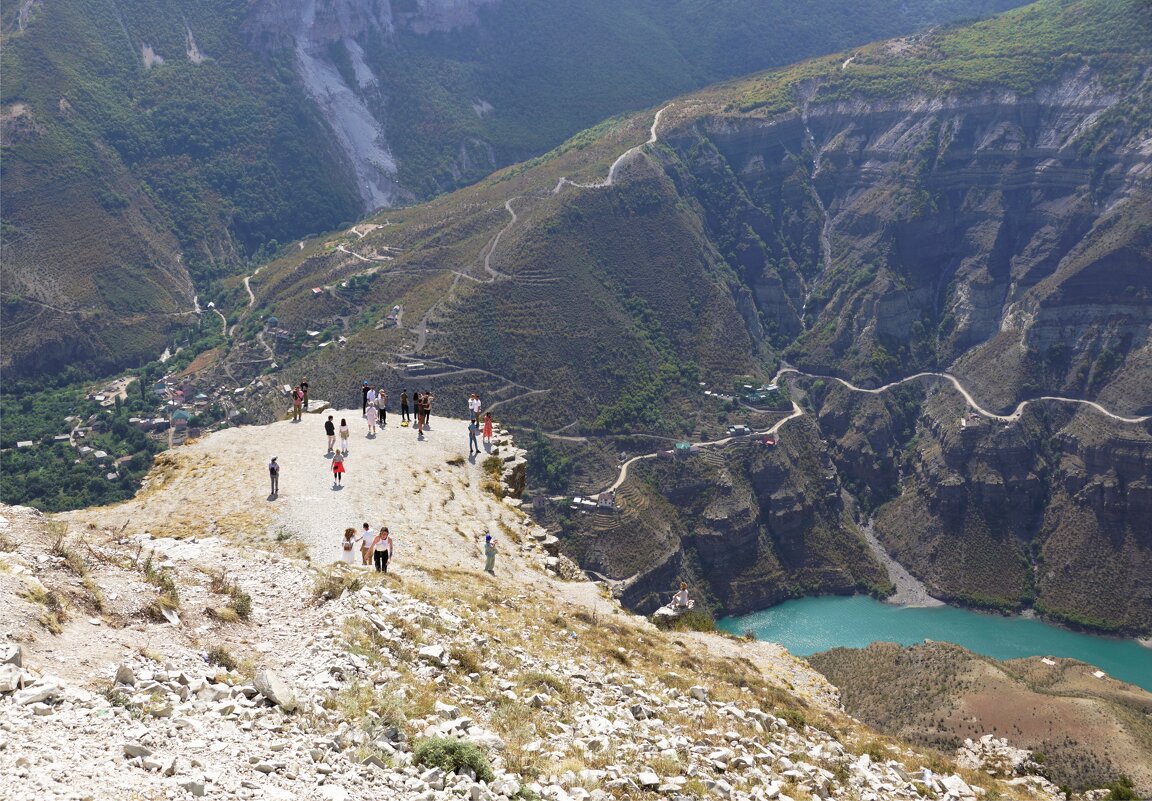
797 411
972 404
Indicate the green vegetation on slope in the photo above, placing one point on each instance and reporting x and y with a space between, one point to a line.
546 70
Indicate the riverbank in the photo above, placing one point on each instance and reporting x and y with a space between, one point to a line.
810 625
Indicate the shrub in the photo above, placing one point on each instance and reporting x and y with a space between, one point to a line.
331 584
452 755
219 655
695 619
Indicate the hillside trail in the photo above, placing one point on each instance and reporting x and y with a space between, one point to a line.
797 411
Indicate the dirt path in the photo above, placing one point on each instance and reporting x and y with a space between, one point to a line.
972 404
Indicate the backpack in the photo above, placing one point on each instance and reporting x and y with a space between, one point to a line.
297 396
274 468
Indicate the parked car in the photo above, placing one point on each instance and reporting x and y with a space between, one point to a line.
738 431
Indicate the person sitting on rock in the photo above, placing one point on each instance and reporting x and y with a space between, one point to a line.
681 600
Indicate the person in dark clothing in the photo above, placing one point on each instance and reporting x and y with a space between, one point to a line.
416 401
274 475
364 399
404 418
382 406
330 430
304 389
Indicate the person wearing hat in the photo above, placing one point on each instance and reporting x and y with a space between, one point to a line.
489 554
274 475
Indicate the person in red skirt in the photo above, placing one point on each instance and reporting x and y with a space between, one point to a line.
487 427
338 468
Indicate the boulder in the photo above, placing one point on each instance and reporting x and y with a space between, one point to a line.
125 676
275 690
10 677
11 654
434 654
35 694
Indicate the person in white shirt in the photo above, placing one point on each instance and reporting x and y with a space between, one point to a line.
474 407
681 600
382 550
366 540
349 546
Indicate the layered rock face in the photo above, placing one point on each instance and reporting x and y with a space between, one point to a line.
990 230
749 525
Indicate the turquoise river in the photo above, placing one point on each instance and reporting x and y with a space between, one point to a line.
808 625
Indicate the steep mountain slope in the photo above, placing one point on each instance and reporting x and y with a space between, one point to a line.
151 147
1083 729
946 202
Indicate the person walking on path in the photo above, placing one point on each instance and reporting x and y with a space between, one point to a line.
473 429
330 430
382 406
366 540
345 432
489 554
348 547
297 400
338 469
304 390
488 428
274 476
382 550
364 390
371 426
404 416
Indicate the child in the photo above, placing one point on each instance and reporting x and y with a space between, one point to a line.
371 426
338 468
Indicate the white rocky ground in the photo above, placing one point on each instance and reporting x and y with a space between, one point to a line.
566 694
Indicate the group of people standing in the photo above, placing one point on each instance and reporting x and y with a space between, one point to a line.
373 548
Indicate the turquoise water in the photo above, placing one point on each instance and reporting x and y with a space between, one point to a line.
808 625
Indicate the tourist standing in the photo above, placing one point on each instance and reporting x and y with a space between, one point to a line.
473 430
367 539
304 390
338 469
489 554
417 401
474 407
330 430
297 400
364 390
488 427
404 418
382 550
349 546
382 406
371 398
345 432
274 475
371 425
426 404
